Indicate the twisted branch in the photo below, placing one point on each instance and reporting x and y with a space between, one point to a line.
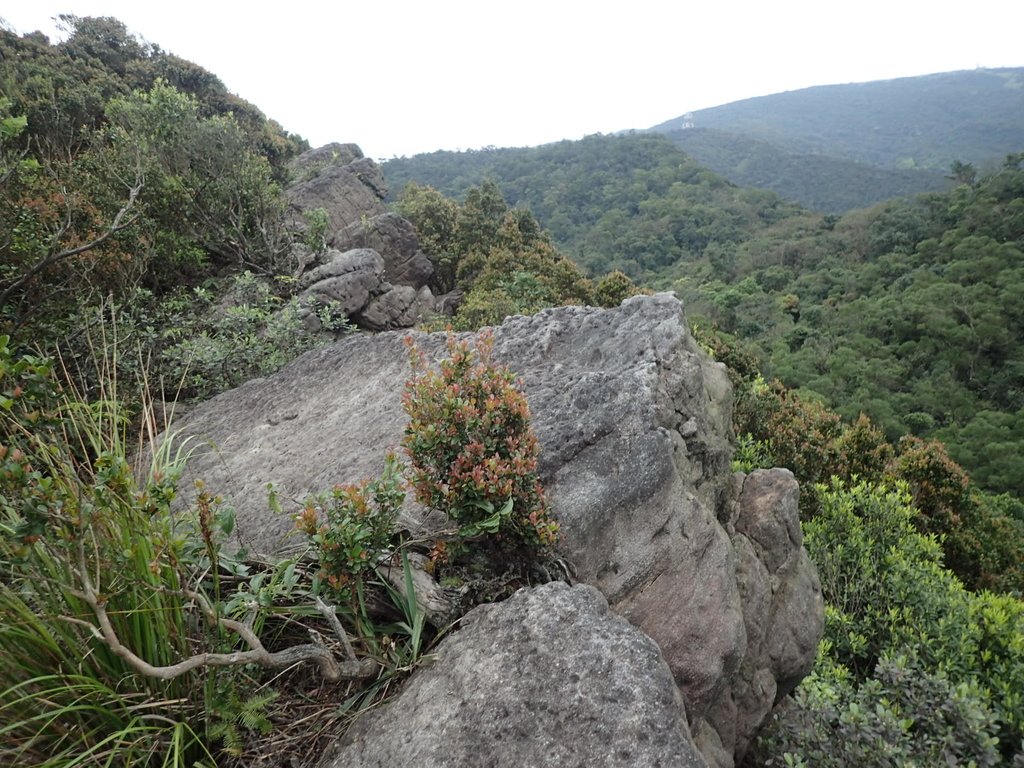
350 669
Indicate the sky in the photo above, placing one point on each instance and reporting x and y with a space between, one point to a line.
400 77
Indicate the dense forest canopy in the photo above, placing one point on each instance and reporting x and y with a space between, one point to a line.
633 203
908 311
913 122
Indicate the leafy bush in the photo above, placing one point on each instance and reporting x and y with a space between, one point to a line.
903 715
359 523
472 451
883 581
800 434
614 288
888 596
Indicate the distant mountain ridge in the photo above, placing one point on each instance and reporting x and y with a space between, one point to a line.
838 147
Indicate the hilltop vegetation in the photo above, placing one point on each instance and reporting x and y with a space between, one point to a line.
908 311
820 182
839 147
911 122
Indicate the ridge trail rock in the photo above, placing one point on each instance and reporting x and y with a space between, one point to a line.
633 421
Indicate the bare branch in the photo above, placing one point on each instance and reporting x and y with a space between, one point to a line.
327 611
121 221
351 669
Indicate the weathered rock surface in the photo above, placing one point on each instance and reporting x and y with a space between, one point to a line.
783 610
633 421
341 192
488 699
355 282
310 163
393 238
351 279
401 307
350 189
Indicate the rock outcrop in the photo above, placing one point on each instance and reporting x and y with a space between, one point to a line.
395 240
350 279
487 699
633 421
345 187
350 189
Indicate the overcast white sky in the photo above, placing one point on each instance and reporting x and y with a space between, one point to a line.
399 77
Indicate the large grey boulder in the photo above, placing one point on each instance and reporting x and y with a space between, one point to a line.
633 422
394 238
783 608
354 282
350 189
401 307
548 677
340 192
312 161
349 279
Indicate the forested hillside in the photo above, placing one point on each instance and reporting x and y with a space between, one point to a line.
820 182
634 203
838 147
911 122
908 311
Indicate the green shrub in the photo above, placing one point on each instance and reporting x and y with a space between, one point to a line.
903 715
614 288
357 528
472 451
888 595
800 434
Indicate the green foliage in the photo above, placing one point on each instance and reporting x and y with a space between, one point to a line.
500 257
822 182
231 712
908 312
904 714
352 526
751 454
75 519
316 232
205 185
473 454
100 581
983 543
887 595
800 435
435 218
880 577
121 166
614 288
